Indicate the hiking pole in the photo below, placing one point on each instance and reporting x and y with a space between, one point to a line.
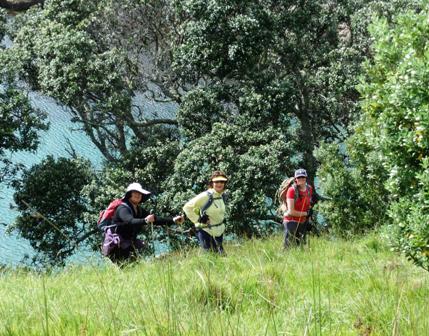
151 212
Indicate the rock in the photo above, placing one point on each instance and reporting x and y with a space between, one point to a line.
19 4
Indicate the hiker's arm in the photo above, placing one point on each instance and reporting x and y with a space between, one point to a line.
163 221
126 216
193 206
291 209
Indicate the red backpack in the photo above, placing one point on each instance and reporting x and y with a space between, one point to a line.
106 215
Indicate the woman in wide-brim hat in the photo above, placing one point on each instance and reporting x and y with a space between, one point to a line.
207 212
128 222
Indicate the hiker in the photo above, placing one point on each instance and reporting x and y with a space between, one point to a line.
207 212
121 242
298 200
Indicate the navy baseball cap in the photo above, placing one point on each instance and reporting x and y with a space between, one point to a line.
300 172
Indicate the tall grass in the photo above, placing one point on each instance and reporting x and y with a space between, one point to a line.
330 287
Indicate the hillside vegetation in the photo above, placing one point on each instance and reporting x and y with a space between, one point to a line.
330 287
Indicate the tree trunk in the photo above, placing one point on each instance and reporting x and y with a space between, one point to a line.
307 145
19 4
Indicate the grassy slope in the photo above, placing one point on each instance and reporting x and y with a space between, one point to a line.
329 288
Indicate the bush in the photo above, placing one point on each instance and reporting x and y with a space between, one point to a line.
394 127
51 205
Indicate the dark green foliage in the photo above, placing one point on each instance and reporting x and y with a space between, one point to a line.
200 109
149 165
254 162
61 50
222 39
51 205
88 55
19 122
354 183
382 170
19 126
396 122
2 23
276 78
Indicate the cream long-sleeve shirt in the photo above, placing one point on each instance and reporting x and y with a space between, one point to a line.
216 212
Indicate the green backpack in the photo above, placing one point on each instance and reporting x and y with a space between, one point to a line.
281 200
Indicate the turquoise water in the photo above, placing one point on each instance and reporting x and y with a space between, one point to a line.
55 141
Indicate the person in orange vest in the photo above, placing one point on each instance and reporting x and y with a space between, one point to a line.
298 200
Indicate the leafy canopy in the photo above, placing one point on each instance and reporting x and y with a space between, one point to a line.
51 204
254 99
381 172
396 124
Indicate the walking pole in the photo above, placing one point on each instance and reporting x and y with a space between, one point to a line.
151 230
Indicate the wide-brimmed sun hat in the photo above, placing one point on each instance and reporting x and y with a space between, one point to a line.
137 187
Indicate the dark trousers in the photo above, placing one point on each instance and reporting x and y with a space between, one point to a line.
128 252
210 243
295 233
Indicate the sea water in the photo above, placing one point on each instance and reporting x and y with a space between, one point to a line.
62 136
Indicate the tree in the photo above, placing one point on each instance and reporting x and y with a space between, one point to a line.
51 204
19 126
2 23
384 161
395 123
247 47
352 176
252 54
254 162
19 121
61 51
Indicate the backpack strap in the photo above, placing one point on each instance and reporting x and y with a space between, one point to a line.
296 192
118 223
208 203
307 189
210 226
225 196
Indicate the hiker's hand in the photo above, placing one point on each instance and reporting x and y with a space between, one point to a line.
150 218
179 219
201 225
204 219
